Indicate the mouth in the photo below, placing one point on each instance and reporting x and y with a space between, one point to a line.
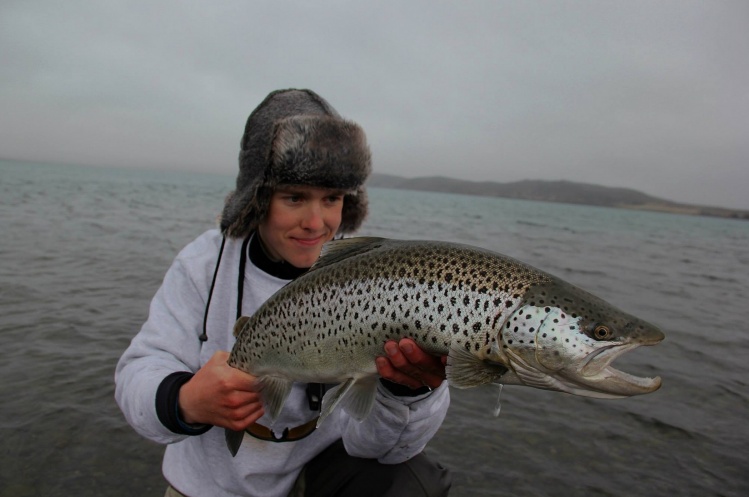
308 242
602 380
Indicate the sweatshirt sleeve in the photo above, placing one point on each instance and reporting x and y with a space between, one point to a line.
398 428
166 344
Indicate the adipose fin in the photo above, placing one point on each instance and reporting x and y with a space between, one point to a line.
239 325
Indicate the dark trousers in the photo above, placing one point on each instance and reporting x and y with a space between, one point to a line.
334 473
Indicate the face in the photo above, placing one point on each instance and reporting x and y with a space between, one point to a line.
300 220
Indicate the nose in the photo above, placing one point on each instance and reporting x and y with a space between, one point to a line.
313 217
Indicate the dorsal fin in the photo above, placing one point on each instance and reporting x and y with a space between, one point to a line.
338 250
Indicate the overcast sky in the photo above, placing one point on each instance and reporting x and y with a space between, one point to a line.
651 95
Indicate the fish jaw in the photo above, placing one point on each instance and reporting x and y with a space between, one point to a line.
597 374
552 348
608 383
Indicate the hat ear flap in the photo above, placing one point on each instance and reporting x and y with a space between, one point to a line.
355 208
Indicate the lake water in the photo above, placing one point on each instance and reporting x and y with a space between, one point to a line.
84 249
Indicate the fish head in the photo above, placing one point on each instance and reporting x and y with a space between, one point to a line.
563 338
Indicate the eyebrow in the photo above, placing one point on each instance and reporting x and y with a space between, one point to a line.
302 189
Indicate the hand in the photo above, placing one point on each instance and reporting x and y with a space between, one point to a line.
220 395
406 363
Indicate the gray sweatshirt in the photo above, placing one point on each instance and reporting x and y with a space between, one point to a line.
200 464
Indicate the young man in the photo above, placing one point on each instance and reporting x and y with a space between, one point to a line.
301 179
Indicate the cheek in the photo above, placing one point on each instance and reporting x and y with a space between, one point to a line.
280 219
333 218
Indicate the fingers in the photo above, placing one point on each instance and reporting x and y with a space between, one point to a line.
406 363
242 417
220 395
229 379
219 357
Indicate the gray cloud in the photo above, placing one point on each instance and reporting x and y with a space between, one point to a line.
642 94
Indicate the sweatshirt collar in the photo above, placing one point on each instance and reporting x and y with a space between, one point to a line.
279 269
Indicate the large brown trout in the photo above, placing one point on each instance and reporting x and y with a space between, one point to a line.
497 319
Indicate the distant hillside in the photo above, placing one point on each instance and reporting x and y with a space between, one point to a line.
553 191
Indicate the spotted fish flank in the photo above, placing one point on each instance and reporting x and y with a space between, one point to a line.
498 320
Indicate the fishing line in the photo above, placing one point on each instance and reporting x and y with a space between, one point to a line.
498 407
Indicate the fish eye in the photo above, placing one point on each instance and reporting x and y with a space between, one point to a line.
602 332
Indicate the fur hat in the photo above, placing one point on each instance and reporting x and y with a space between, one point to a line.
296 137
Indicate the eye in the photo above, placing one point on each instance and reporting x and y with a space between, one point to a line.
602 332
334 199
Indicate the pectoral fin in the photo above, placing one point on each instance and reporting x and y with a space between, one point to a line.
465 370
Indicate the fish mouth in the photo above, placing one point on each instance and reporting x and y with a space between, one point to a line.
602 380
